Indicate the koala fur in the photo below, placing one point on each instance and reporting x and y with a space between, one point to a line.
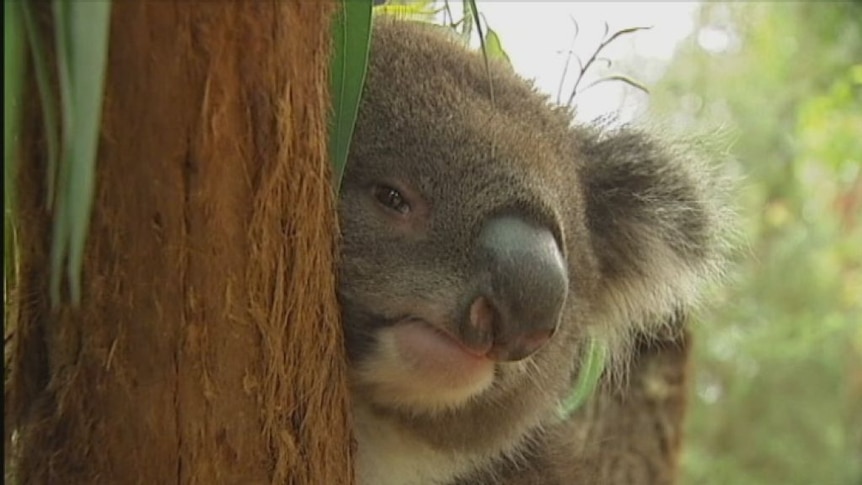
485 239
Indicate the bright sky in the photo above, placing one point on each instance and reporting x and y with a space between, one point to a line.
538 35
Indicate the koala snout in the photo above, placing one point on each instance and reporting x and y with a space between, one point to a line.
518 307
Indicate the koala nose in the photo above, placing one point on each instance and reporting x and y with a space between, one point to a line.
519 310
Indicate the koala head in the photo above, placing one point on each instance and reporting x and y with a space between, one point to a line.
485 238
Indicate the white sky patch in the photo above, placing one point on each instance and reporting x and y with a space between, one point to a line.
538 36
713 40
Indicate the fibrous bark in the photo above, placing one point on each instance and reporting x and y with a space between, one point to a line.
207 347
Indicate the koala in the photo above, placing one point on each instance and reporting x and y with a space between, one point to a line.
486 239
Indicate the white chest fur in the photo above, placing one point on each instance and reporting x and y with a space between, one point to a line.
389 456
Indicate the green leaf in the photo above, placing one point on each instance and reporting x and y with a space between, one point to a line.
13 77
474 14
13 69
46 99
466 22
82 30
588 379
494 47
351 39
414 10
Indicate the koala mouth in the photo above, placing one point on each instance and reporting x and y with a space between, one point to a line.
416 337
429 349
422 368
426 363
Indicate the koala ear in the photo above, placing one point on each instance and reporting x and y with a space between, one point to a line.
658 222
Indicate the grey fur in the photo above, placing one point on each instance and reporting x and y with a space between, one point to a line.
638 224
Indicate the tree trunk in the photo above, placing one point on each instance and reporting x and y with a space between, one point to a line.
631 432
208 347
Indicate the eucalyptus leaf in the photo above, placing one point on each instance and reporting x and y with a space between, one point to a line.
89 28
60 231
590 373
13 69
494 47
351 40
466 22
474 14
413 10
81 33
46 97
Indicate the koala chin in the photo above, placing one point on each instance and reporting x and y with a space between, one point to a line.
485 239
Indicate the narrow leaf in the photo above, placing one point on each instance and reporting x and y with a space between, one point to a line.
474 14
621 78
619 33
13 77
46 98
89 28
82 30
351 39
417 10
588 378
468 8
60 236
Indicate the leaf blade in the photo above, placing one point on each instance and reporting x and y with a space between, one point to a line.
588 378
89 27
495 47
81 32
13 80
351 41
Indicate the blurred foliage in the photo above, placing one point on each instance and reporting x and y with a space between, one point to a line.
778 391
443 13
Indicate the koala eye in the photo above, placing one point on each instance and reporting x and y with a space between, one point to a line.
391 199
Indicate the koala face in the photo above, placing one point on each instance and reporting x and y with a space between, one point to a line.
464 243
484 237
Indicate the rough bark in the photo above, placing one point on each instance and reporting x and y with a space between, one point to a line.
208 347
